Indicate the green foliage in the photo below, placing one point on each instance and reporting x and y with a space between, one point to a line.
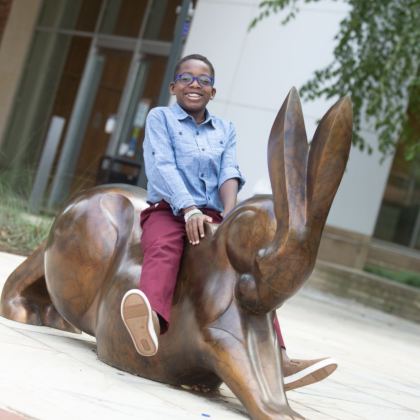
410 278
376 61
20 232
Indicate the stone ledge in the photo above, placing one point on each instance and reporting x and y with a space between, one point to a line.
371 290
392 256
343 247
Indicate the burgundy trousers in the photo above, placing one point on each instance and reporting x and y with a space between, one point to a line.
163 243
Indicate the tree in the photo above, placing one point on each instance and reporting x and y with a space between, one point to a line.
376 61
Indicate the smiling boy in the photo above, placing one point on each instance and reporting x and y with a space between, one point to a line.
193 177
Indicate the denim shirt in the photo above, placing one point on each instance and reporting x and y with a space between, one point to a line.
186 163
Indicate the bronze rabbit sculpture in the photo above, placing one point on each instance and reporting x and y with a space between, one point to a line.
228 287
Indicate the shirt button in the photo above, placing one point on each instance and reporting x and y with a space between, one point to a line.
153 153
202 175
197 133
221 142
180 133
203 150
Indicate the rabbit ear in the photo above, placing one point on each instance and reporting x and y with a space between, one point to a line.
287 156
304 185
327 160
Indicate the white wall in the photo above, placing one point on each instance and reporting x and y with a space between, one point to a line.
254 72
356 205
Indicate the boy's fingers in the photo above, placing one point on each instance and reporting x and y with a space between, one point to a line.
201 228
207 219
191 229
189 232
195 227
194 221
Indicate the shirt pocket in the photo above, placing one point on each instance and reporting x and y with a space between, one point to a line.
217 147
185 150
217 142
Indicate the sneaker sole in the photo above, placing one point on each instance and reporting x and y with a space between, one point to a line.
137 316
310 375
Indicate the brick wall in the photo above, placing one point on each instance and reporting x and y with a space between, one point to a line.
5 6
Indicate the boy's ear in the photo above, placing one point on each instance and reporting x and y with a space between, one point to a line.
172 88
213 93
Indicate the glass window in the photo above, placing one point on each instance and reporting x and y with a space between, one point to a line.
80 15
401 203
49 85
107 96
124 17
58 64
162 20
145 95
50 13
88 15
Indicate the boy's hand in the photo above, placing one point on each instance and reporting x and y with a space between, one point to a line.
195 227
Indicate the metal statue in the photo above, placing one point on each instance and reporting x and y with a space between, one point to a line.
228 288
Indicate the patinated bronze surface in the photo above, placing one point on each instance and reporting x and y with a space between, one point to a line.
228 287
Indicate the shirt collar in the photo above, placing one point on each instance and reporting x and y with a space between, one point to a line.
182 115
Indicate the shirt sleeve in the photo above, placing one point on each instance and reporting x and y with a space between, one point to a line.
229 167
161 169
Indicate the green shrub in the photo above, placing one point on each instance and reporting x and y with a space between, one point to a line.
410 278
20 232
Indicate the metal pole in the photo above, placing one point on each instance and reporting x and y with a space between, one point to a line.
46 162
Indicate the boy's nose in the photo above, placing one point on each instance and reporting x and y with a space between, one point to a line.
195 83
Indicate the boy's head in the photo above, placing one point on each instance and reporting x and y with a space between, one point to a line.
195 88
194 57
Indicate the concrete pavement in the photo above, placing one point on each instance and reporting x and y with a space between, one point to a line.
46 374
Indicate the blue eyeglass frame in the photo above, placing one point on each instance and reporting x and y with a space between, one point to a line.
195 78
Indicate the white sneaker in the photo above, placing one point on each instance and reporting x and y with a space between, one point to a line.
299 373
138 318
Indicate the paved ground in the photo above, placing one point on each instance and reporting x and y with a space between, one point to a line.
50 375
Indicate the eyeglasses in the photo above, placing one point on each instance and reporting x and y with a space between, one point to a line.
187 79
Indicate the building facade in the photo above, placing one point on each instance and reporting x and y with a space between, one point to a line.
77 78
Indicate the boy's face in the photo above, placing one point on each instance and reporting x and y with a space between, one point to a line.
193 98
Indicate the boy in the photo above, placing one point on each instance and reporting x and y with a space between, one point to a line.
193 177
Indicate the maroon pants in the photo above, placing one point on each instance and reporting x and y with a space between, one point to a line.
163 243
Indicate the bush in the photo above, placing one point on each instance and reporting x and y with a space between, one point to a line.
410 278
20 232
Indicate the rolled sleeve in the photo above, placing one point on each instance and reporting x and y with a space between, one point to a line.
229 167
161 170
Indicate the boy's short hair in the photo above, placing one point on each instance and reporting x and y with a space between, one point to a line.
193 57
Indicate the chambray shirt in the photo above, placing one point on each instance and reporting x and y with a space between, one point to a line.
187 163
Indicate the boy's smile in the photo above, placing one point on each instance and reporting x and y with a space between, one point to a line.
193 95
193 98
